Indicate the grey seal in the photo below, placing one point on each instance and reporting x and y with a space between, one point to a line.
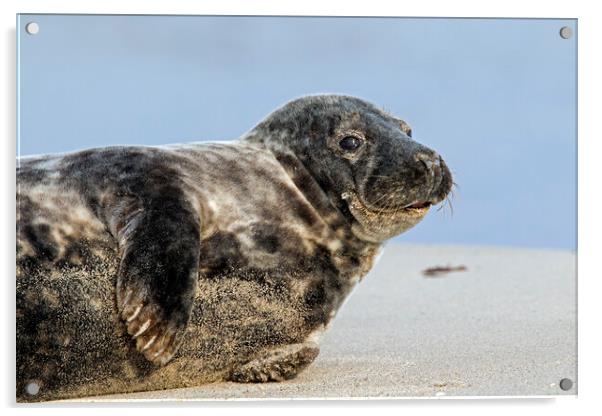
157 267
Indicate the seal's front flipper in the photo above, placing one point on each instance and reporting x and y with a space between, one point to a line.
279 364
159 246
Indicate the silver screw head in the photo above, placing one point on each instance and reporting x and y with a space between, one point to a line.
566 32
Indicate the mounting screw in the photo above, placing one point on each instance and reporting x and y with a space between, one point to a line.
566 32
566 384
32 28
32 388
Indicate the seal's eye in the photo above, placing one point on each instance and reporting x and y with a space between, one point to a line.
350 143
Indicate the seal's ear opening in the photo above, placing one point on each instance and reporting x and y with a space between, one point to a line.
405 127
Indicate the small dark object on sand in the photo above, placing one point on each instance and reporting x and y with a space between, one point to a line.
439 270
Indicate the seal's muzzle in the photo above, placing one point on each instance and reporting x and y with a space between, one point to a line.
437 179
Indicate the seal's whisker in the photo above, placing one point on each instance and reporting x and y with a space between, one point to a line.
384 176
447 202
381 198
451 206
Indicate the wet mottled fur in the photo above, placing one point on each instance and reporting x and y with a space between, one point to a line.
221 260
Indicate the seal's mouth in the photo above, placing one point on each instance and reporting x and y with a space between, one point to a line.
419 207
377 224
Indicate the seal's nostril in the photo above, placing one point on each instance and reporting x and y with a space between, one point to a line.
427 163
430 161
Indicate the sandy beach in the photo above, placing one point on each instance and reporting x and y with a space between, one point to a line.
504 326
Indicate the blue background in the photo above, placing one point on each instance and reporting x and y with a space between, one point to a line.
496 97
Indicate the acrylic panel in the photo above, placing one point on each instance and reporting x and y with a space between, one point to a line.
199 196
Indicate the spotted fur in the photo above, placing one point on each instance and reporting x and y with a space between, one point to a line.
157 267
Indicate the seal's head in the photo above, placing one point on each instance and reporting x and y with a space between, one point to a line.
363 158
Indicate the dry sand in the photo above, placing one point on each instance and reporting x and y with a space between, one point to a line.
505 326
